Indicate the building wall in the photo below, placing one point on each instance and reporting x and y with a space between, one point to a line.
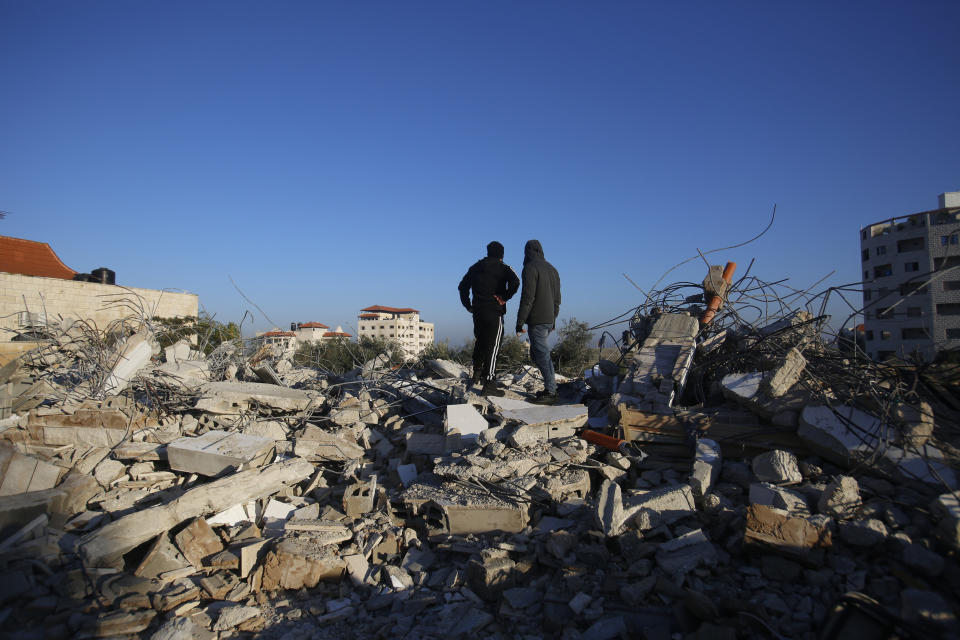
896 256
407 329
99 303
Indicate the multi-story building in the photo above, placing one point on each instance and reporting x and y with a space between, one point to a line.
911 282
402 325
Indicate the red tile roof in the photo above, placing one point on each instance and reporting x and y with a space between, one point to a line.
337 334
368 316
30 258
313 325
278 334
377 307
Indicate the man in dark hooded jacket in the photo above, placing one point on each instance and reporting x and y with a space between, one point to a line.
539 307
493 282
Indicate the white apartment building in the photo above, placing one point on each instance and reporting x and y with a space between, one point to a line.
316 332
402 325
911 282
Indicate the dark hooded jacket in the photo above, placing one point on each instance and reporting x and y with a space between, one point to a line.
540 298
487 278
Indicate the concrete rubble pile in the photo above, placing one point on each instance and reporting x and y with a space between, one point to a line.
713 483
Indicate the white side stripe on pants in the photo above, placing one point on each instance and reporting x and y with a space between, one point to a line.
493 354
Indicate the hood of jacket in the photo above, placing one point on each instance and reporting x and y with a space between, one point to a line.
532 251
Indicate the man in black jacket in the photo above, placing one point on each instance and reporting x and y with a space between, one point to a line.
539 307
493 283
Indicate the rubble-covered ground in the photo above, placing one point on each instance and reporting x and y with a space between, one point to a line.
725 480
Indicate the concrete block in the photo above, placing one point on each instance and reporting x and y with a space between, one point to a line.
926 464
251 554
448 369
108 470
490 574
217 451
197 541
177 352
235 515
652 509
299 564
841 499
946 510
191 374
777 467
786 374
777 530
358 499
770 495
707 464
408 474
609 510
162 557
915 422
863 533
234 397
466 420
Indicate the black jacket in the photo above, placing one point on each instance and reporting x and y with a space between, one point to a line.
487 278
540 300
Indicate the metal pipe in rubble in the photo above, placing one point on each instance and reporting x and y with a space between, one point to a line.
716 301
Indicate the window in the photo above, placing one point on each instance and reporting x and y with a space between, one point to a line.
867 294
948 309
953 334
883 270
866 276
951 239
865 254
913 333
914 312
884 335
911 266
954 238
881 250
951 285
870 335
946 263
912 289
910 244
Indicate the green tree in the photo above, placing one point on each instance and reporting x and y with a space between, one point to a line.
572 353
208 332
340 355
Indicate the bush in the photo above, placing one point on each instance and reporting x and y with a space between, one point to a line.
339 355
572 354
208 332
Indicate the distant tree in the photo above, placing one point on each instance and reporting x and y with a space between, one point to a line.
572 353
340 355
208 332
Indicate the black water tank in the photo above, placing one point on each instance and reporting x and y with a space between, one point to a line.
103 276
82 277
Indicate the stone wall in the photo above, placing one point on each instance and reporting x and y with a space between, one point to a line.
98 303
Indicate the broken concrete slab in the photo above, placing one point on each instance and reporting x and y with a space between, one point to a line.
106 545
20 473
766 494
842 434
325 446
448 369
234 397
685 553
550 422
465 420
657 507
217 451
359 498
133 357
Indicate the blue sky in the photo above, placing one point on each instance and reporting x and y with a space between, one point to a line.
329 156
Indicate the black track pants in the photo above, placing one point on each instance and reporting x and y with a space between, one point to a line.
488 331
